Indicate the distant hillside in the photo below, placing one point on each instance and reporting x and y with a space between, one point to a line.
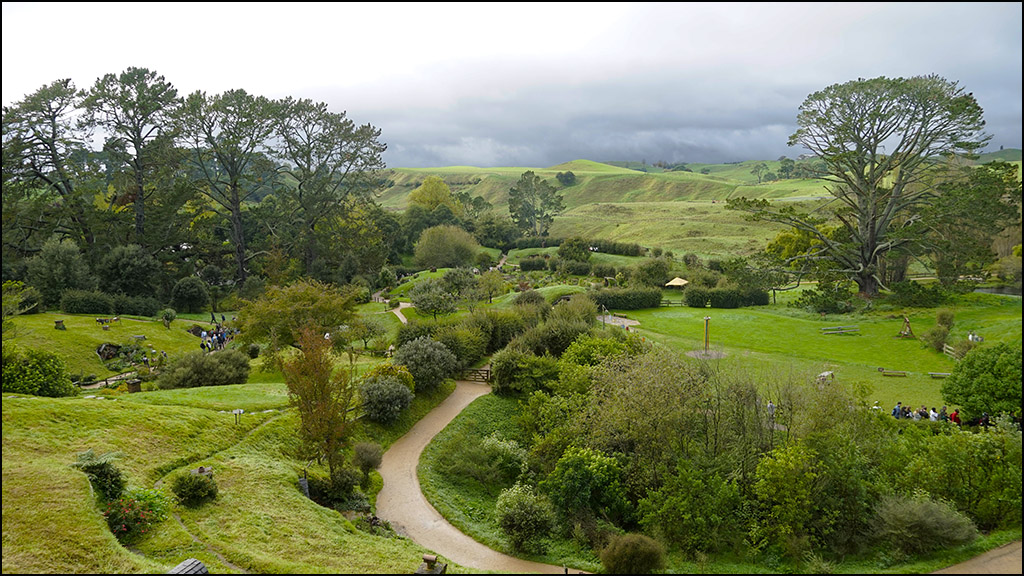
1007 155
600 182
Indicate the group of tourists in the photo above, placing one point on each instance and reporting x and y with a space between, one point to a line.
215 339
901 412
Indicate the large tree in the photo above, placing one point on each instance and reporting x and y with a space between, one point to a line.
883 142
134 108
44 149
331 163
228 135
533 204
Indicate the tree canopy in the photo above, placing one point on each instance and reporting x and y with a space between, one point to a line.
886 144
533 204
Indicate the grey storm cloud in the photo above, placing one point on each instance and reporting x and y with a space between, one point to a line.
491 84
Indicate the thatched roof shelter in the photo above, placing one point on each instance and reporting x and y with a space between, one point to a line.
677 282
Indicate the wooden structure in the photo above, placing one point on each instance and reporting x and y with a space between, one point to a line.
477 374
841 330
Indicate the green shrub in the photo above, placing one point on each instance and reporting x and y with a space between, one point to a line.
468 344
36 372
104 475
726 298
587 482
429 362
167 315
338 491
384 398
194 490
136 305
86 302
190 294
633 554
602 270
917 524
525 517
944 317
530 298
200 369
936 337
415 329
134 513
253 351
552 337
917 295
516 371
696 297
367 456
627 298
506 455
533 263
826 298
696 510
574 268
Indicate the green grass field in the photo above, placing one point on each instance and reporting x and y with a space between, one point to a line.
260 522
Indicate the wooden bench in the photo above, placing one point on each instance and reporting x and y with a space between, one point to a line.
841 330
939 374
900 373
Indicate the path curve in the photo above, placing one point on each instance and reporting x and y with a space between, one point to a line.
402 503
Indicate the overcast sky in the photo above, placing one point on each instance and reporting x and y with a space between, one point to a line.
535 84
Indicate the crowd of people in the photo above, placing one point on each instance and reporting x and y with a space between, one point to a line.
217 338
901 412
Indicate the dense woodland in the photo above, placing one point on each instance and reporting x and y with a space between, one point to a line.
126 198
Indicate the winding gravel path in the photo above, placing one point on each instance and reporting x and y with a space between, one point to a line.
402 503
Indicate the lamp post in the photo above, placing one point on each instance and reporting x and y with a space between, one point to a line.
707 326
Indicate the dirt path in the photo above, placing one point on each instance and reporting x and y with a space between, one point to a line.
1003 560
401 502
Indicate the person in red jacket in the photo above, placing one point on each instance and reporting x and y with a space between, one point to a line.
955 417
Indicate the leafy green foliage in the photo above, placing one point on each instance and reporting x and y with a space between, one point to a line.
918 524
134 513
979 474
201 369
190 294
576 249
36 372
429 362
384 398
633 554
105 477
533 204
430 297
785 491
322 395
696 510
516 371
86 302
627 298
277 317
367 456
128 270
988 379
587 482
194 489
446 246
525 517
59 266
